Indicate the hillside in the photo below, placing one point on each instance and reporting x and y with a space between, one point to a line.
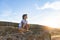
3 23
9 31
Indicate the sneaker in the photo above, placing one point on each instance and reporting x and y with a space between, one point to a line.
27 30
22 33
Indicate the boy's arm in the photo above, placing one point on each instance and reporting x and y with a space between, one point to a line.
23 25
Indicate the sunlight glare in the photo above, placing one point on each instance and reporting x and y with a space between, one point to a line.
52 22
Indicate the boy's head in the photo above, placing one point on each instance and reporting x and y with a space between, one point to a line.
24 16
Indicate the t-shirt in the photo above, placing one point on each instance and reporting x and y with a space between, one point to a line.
22 22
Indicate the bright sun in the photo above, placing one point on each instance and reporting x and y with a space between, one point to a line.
52 22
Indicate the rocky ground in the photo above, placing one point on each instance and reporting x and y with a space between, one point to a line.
11 33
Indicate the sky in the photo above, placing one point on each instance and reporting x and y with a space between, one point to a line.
43 12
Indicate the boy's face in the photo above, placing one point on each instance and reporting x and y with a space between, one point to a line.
25 17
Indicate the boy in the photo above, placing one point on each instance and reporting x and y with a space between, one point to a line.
23 25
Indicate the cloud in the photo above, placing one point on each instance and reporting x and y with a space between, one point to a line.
49 14
54 5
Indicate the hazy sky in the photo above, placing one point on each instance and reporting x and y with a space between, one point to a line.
44 12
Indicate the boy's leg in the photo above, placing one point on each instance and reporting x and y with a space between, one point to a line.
21 30
27 27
